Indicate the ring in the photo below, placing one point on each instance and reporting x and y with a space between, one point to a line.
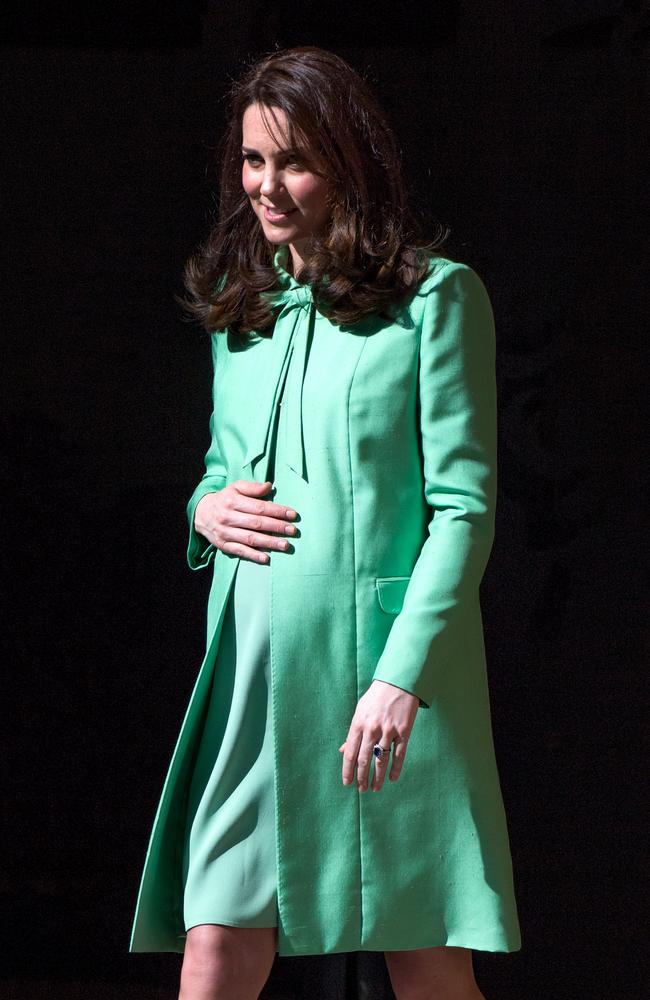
379 751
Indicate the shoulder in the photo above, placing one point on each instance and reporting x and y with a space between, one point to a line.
442 272
451 285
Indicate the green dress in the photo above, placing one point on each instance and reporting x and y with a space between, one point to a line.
229 851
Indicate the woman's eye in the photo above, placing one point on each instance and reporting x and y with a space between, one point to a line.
295 162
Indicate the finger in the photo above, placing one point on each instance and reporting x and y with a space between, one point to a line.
399 753
351 751
244 552
233 516
253 506
381 765
364 759
254 539
236 540
252 487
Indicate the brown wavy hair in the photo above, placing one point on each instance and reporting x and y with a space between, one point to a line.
372 254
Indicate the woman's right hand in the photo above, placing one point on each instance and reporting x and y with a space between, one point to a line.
236 520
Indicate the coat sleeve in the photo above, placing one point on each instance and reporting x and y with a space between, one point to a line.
200 552
458 428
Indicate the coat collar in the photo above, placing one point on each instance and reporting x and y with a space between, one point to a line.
290 290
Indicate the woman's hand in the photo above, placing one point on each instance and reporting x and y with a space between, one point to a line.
235 520
384 714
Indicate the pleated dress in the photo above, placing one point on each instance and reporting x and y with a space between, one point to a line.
229 851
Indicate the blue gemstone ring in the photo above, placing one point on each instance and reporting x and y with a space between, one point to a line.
379 751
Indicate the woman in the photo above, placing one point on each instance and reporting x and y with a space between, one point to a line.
347 509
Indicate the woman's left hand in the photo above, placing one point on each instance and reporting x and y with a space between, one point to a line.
384 714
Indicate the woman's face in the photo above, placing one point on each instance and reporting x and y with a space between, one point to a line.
287 195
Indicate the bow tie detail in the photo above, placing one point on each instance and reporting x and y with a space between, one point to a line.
289 350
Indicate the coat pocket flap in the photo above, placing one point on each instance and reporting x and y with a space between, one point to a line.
391 591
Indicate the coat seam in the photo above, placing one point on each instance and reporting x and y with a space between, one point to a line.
356 626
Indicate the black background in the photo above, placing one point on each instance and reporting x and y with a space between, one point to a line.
520 125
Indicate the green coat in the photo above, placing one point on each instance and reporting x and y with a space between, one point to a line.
391 464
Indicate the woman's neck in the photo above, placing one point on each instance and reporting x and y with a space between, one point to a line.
298 255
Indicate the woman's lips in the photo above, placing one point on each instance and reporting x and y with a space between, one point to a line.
272 216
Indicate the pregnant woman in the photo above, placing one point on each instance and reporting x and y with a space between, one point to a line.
334 785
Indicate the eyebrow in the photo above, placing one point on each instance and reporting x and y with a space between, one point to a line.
246 149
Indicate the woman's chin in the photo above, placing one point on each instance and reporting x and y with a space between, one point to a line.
279 241
277 234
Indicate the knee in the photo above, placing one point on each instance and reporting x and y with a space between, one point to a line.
205 945
222 961
208 963
442 973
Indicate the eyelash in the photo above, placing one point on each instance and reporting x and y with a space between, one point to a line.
292 159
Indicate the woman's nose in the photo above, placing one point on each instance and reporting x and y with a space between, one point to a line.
271 182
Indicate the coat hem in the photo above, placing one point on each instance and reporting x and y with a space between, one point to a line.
456 941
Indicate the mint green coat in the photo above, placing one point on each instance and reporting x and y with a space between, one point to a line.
391 464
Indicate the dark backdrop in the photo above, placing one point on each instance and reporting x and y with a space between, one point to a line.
519 126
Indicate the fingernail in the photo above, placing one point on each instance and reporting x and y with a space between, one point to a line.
291 513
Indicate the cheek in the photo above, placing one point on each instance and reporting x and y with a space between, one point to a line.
313 195
249 183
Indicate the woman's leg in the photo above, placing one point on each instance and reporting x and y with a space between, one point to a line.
226 963
444 973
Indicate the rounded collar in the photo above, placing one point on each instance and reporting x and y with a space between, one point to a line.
290 290
280 263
